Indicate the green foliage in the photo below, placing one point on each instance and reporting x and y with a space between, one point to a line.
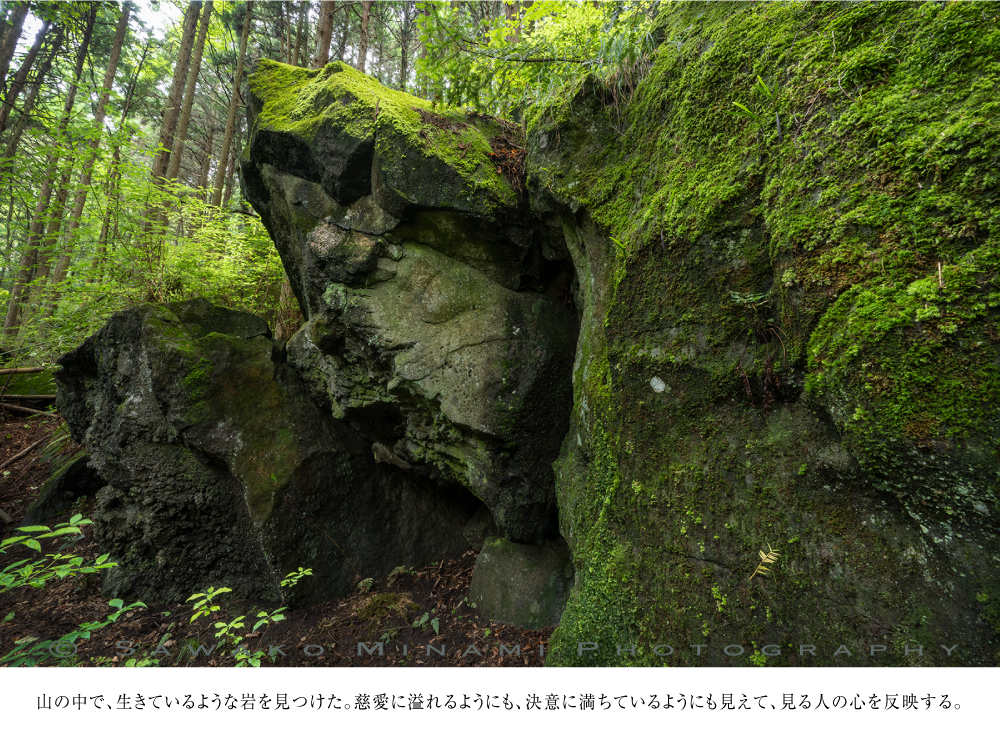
422 622
29 651
228 632
57 565
504 65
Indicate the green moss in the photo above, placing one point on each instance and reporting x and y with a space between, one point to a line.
915 361
196 379
814 248
302 101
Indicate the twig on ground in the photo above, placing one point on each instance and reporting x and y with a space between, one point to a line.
27 451
19 409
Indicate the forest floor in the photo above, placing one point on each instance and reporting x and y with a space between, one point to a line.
422 616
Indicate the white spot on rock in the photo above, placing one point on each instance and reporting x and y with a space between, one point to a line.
657 384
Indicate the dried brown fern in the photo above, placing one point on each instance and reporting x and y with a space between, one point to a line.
770 557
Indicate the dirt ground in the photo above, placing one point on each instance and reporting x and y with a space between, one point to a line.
421 617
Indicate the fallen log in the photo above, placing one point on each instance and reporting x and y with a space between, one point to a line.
19 409
20 370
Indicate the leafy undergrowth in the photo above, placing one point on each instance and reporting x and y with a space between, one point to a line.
416 617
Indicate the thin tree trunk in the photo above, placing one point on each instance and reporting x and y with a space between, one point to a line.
88 165
366 15
405 29
29 104
10 241
345 26
195 68
288 32
29 255
227 140
230 178
422 78
303 12
324 33
512 12
12 33
206 161
14 90
114 180
49 241
172 110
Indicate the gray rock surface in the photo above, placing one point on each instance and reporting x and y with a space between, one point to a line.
522 585
221 471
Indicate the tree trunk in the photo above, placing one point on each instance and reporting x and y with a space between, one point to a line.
366 15
9 242
12 33
345 25
195 68
172 110
422 78
115 177
14 90
29 255
303 12
512 11
88 165
288 32
206 160
231 177
49 241
227 140
324 33
29 104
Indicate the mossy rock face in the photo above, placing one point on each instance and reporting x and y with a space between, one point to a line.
339 128
221 471
843 244
434 325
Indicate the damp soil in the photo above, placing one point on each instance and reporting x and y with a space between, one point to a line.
419 617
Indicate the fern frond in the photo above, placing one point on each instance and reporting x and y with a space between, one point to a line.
770 557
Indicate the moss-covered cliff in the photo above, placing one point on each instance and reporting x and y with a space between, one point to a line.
790 338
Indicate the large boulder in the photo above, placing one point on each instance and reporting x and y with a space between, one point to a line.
434 326
221 471
790 340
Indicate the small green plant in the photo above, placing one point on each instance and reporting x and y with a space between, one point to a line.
758 658
228 632
720 598
365 585
397 572
761 88
30 652
422 623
